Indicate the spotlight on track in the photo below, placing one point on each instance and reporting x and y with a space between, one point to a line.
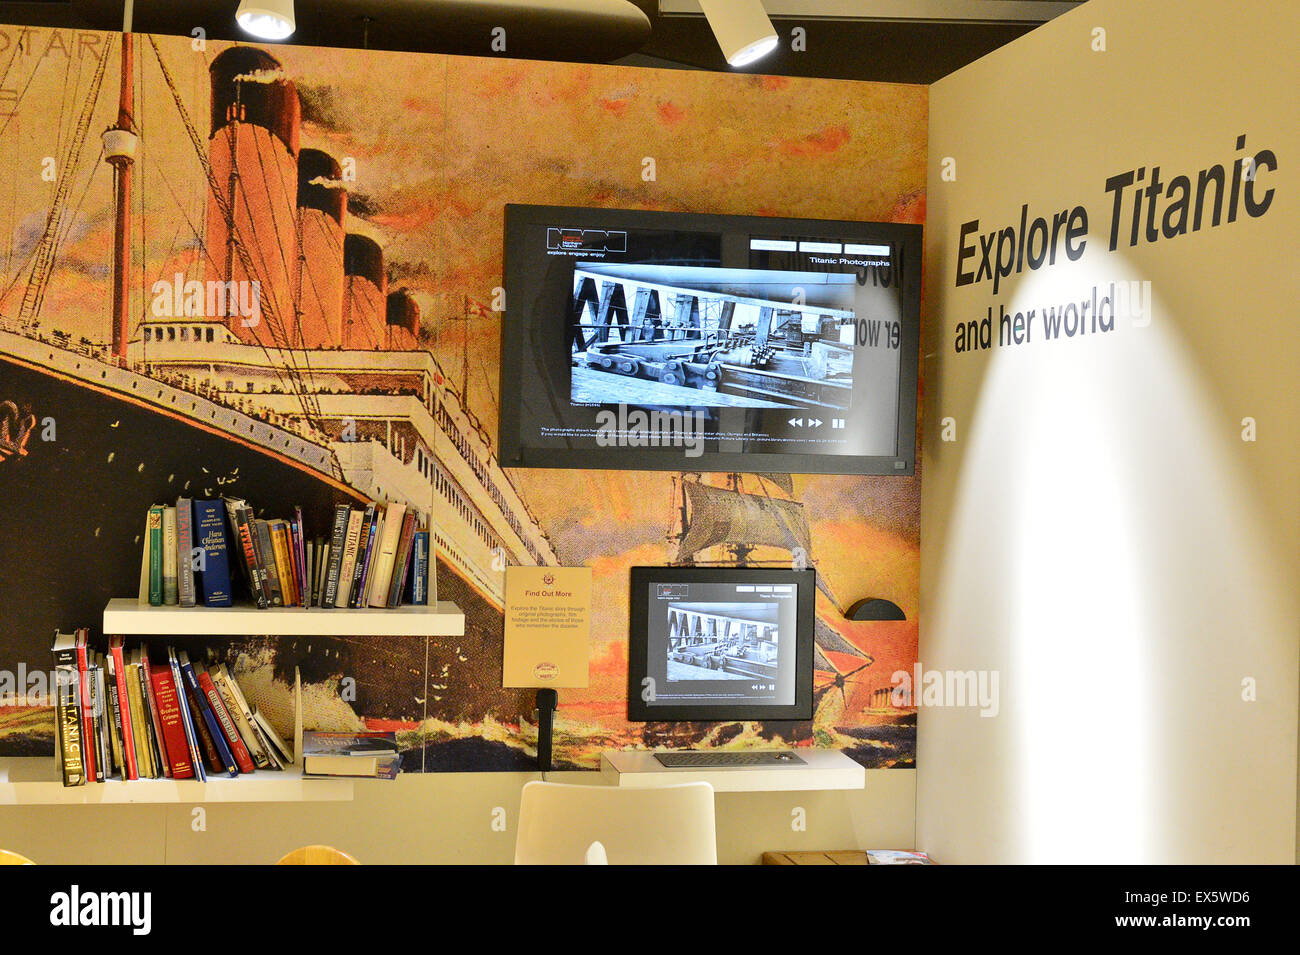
266 19
743 29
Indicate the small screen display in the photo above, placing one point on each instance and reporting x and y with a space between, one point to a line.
720 643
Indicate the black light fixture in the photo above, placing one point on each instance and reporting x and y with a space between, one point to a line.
875 608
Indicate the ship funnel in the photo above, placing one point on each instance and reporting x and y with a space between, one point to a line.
366 290
249 86
403 320
322 205
252 219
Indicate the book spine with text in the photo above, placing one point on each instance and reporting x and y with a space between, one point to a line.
351 543
225 757
124 707
338 535
185 552
175 742
155 556
243 759
170 583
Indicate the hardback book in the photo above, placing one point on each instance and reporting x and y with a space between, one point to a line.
187 721
185 552
212 696
241 521
113 716
155 544
207 745
238 709
103 745
175 742
278 748
350 544
338 535
401 561
67 710
117 669
366 588
368 755
420 569
266 553
280 540
225 758
140 728
155 717
210 535
300 554
386 556
88 754
170 583
365 548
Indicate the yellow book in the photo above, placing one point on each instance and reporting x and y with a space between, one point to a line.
143 752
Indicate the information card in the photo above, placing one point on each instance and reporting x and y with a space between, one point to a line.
548 626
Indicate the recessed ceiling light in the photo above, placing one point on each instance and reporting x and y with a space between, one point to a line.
743 29
267 19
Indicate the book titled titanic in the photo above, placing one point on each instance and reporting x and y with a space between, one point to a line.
364 755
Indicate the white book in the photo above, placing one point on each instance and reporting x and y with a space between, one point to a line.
171 580
382 573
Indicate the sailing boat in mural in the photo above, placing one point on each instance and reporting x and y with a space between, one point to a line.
277 366
742 523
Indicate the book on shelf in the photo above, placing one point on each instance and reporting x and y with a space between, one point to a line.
170 583
176 743
224 759
210 535
215 552
154 542
70 746
277 748
373 755
185 553
187 718
122 705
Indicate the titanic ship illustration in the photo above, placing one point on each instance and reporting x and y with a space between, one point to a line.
282 368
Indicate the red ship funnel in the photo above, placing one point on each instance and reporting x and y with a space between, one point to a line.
365 309
252 221
322 205
403 320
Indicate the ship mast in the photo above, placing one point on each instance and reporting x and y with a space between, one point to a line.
120 143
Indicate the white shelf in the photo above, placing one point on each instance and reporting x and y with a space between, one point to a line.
34 781
128 616
820 769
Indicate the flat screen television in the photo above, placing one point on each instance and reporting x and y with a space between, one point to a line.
720 644
663 341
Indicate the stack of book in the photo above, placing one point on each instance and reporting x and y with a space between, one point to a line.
198 551
133 714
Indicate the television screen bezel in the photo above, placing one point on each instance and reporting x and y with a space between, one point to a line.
515 450
638 711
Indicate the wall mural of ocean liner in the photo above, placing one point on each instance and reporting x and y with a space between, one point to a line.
272 274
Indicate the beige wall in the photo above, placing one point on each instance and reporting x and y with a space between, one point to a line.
433 818
1098 532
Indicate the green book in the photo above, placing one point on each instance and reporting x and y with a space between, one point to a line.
156 555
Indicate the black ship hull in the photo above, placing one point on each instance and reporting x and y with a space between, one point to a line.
72 512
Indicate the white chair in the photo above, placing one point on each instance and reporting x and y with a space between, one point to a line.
667 825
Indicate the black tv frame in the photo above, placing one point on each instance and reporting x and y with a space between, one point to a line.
638 711
516 452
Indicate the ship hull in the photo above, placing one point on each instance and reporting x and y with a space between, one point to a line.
72 514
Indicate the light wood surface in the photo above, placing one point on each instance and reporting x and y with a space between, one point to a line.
318 855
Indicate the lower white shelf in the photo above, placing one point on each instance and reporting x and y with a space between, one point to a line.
34 781
820 769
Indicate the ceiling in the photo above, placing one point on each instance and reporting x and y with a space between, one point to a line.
901 41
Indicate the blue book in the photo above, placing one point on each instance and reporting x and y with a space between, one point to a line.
210 718
420 568
210 534
191 734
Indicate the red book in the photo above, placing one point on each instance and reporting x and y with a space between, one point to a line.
87 709
228 729
169 715
119 676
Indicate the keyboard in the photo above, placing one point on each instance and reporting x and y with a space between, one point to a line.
706 760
